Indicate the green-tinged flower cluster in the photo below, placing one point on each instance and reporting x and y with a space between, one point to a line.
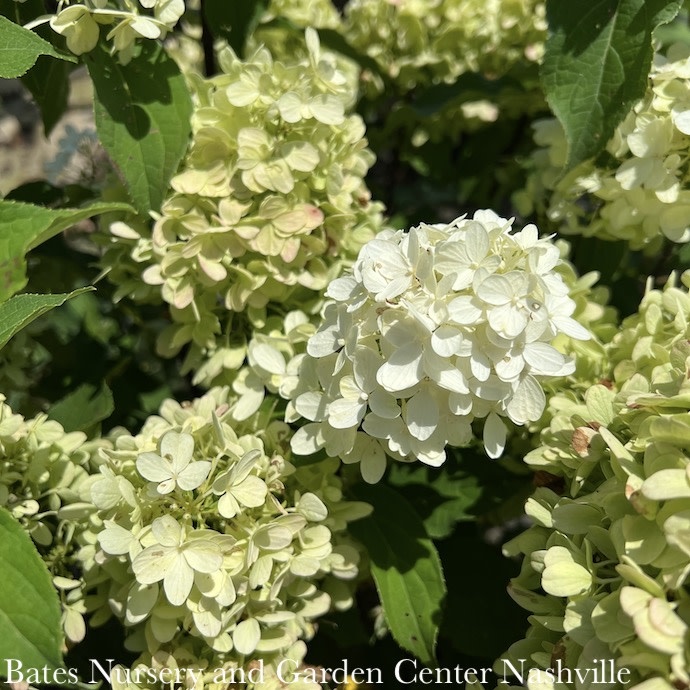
128 20
209 539
268 205
420 42
43 484
606 564
638 192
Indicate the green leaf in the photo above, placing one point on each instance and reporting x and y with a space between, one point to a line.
598 57
48 82
441 497
83 408
143 118
406 569
234 21
29 606
21 48
25 226
21 310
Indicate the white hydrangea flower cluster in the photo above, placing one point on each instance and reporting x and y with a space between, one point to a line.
44 485
420 42
434 328
210 536
607 561
80 22
643 195
270 202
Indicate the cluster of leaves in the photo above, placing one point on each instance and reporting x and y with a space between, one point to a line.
241 230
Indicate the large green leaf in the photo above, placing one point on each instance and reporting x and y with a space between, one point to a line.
21 310
596 65
234 21
143 112
83 408
20 48
25 226
406 569
29 606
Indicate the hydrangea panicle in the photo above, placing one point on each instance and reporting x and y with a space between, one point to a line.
432 329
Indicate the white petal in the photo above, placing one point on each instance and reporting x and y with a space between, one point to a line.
546 360
494 435
446 341
464 310
384 404
344 414
528 401
307 440
495 290
571 328
267 357
403 369
421 415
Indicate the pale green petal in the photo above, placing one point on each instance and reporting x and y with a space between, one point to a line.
251 492
246 636
194 475
151 466
178 581
202 555
167 531
153 563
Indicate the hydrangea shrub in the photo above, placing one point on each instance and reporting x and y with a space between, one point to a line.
285 434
